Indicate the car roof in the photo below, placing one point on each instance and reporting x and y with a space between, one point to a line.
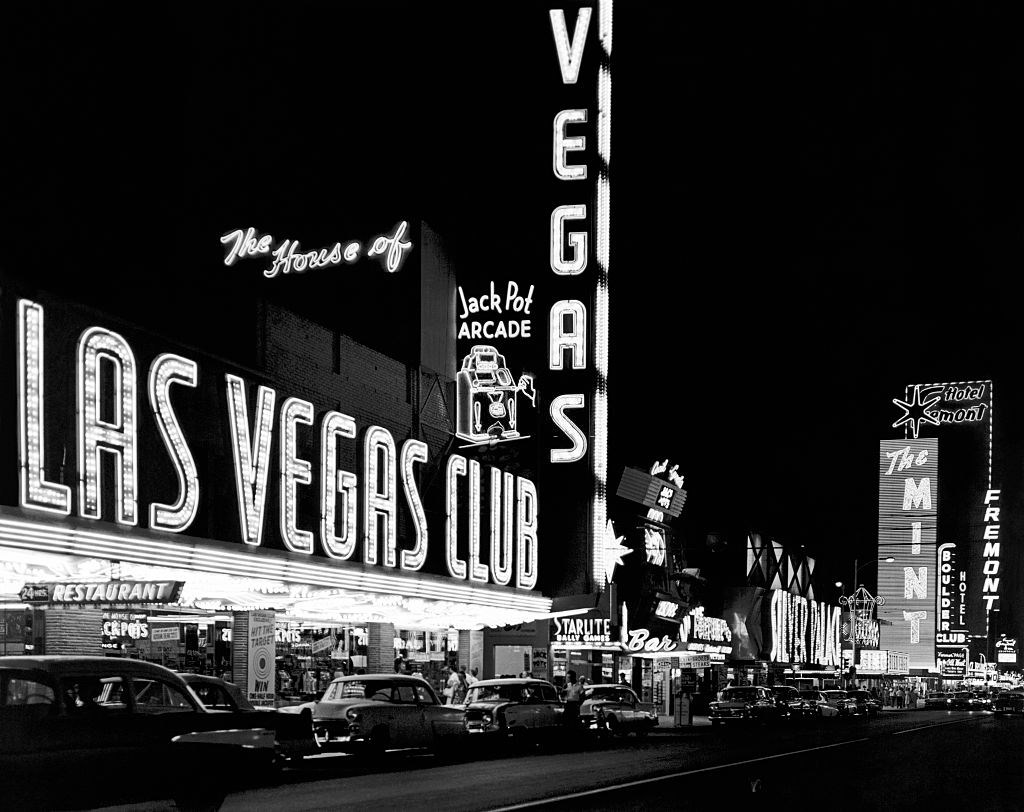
61 664
410 678
486 683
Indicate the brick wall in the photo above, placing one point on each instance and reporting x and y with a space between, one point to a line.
74 630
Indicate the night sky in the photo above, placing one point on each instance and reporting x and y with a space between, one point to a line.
813 205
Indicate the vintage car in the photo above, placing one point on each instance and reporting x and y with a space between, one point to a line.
614 710
845 706
966 700
102 723
866 701
789 698
217 694
293 743
366 714
818 703
521 711
750 703
1007 702
938 700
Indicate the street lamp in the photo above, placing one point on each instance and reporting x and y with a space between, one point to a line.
860 601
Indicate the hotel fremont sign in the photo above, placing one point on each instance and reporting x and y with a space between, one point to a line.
358 511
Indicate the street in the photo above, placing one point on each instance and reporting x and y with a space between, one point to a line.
918 760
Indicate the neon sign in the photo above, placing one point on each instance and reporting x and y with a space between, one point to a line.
990 569
488 398
583 630
804 630
495 304
569 256
108 416
908 506
289 258
105 592
951 625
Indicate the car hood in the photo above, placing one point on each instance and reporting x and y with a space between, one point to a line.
489 704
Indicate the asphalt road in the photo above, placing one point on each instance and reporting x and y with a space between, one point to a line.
900 761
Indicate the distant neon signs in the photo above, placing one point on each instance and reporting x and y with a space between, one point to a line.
652 491
908 505
943 403
804 631
638 640
874 661
700 628
990 568
583 630
288 257
951 625
952 663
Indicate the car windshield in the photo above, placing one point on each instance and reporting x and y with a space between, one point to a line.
487 693
739 695
609 695
364 689
810 694
964 695
836 694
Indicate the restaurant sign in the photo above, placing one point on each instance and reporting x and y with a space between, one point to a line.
103 592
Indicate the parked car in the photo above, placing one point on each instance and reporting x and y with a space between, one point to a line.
790 701
751 703
293 743
844 705
102 724
369 713
1007 702
817 703
966 700
865 701
938 700
986 699
523 710
615 710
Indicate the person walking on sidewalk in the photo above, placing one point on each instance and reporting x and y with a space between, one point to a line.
571 714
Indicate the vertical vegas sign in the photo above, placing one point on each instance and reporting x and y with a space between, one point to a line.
907 511
532 329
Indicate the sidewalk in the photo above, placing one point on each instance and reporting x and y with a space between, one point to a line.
667 724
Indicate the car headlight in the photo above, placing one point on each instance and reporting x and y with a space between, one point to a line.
487 718
352 715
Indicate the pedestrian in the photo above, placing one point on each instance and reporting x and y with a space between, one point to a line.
623 680
472 678
402 662
571 713
885 695
449 685
912 698
460 688
899 697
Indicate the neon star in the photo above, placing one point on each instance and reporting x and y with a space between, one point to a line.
613 550
915 412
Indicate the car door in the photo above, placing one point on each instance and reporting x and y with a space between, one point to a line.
549 709
440 721
408 726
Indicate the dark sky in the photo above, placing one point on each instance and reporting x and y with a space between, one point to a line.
813 204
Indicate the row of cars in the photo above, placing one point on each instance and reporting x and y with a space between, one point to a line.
758 703
367 714
117 729
1001 702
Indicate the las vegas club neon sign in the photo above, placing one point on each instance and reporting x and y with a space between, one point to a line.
358 509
